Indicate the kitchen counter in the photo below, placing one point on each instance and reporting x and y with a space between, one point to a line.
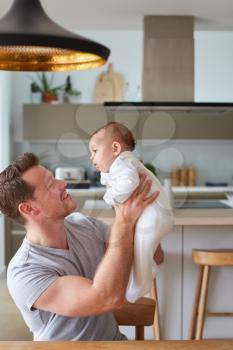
202 189
219 217
175 189
120 345
92 191
194 229
203 217
179 194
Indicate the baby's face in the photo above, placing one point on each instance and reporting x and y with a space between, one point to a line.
101 152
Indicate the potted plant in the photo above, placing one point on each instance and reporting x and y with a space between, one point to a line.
70 94
45 86
35 93
151 167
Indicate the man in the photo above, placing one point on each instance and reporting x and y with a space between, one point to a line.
63 279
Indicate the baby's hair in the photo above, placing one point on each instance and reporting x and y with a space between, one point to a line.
120 133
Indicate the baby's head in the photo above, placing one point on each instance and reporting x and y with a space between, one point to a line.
108 142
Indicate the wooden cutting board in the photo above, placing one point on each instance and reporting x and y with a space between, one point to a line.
109 86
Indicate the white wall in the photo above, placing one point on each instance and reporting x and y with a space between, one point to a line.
214 66
213 83
126 56
201 154
5 113
213 69
5 83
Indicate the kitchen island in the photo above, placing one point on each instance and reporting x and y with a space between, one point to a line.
194 217
194 228
119 345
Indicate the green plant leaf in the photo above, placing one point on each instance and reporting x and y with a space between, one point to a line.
45 84
151 167
69 88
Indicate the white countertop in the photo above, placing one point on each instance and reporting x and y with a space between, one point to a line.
175 189
191 217
92 191
95 206
216 217
201 189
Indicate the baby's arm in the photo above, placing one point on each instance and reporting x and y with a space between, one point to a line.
122 185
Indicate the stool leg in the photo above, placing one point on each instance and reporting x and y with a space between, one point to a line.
195 305
202 303
156 324
139 333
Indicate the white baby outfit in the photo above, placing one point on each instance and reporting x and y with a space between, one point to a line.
155 221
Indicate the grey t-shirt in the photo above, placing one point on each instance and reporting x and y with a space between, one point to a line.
34 268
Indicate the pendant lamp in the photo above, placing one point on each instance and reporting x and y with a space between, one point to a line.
31 41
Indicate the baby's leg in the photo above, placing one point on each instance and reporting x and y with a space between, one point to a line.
150 228
143 268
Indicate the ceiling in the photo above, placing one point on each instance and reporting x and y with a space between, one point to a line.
128 14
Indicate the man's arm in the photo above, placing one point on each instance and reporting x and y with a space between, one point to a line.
78 296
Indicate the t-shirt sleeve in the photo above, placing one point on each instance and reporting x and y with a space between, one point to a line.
27 282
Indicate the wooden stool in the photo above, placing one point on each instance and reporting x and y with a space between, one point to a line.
206 259
138 314
144 312
156 324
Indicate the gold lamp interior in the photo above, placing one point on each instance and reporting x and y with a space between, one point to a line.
38 58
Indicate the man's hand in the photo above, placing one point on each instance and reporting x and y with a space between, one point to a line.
159 255
131 209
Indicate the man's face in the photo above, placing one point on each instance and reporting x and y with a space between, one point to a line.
101 151
50 196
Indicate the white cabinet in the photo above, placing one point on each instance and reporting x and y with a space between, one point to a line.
78 121
169 285
220 296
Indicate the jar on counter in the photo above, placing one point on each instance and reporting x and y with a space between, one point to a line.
183 177
174 176
192 177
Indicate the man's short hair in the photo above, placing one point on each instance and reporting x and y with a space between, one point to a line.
13 189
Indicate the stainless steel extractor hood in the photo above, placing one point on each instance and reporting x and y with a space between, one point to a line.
168 66
185 107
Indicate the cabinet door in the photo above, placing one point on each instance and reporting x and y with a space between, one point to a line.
221 279
169 285
62 121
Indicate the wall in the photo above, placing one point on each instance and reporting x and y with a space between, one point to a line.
5 87
164 155
126 56
213 83
213 69
213 66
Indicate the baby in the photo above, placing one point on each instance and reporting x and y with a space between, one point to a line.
111 153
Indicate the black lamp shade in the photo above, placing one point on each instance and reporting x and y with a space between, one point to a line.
31 41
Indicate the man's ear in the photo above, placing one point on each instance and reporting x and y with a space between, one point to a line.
116 148
27 209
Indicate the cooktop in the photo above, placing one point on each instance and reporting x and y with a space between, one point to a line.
196 204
